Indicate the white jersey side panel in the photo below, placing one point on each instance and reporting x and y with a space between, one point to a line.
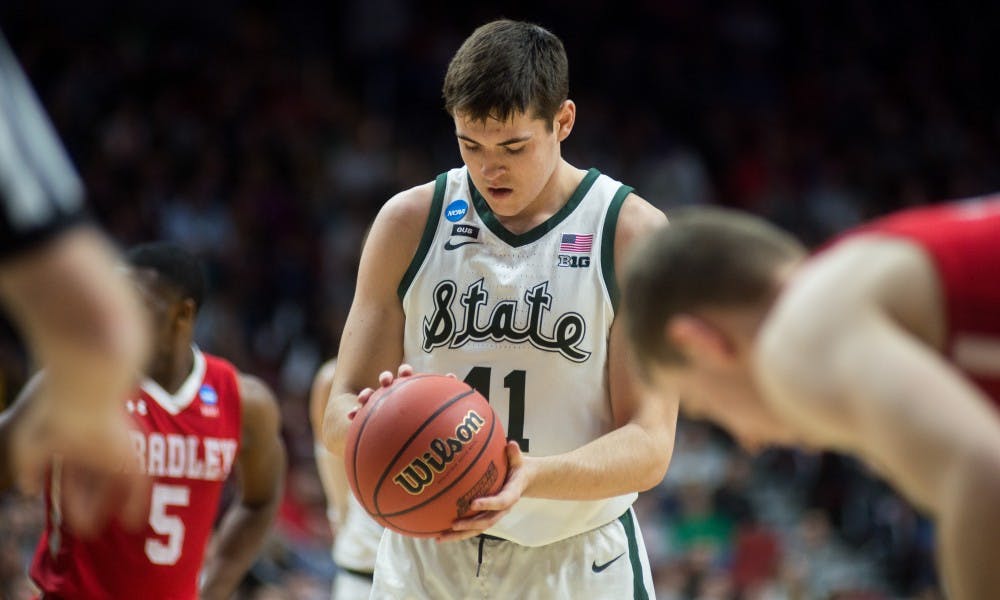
524 319
356 542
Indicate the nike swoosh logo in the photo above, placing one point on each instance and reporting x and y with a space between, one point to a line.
598 568
449 246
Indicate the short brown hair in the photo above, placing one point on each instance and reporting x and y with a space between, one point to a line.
705 257
507 67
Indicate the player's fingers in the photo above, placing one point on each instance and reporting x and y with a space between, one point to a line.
385 378
502 501
405 370
456 536
364 396
29 471
119 449
84 500
29 481
517 481
481 521
514 457
507 497
29 450
466 528
135 512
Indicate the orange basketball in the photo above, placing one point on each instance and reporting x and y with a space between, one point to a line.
421 450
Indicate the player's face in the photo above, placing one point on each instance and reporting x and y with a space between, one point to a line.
728 398
510 162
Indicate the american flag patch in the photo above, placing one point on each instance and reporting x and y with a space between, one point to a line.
576 242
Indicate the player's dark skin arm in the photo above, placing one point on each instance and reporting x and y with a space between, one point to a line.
261 467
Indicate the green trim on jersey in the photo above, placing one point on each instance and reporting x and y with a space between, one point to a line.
638 585
427 237
608 244
517 240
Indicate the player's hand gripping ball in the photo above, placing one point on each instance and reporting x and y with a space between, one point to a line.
421 450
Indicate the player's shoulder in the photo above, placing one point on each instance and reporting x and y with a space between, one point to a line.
868 264
253 388
214 362
408 209
256 397
219 372
393 241
398 228
891 274
637 218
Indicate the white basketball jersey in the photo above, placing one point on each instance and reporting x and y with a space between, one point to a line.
523 318
356 542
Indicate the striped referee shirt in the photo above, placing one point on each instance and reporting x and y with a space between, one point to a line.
39 188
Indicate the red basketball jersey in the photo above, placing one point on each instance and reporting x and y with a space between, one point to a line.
187 443
963 240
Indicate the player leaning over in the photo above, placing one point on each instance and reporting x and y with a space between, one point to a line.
885 345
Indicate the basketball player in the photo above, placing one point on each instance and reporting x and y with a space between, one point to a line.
196 419
503 272
885 345
79 318
356 535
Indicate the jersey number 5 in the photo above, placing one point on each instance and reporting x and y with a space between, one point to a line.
479 379
165 496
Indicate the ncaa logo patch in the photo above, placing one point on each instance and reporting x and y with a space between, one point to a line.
208 395
209 401
456 210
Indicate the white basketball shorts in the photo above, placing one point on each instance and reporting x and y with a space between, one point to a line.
607 562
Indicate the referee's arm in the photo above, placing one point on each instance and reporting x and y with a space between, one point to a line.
59 285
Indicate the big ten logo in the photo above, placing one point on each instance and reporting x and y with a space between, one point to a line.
465 230
573 262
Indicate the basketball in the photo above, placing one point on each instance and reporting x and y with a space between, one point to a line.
421 450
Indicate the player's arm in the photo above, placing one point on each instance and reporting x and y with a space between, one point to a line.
261 467
852 374
330 468
633 456
372 341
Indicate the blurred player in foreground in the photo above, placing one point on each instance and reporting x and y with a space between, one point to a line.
356 535
885 345
79 317
196 418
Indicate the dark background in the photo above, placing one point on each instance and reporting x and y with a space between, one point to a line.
265 136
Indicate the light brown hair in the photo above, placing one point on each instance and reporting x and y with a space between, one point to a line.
705 258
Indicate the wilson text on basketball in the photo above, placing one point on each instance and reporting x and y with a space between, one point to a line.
419 474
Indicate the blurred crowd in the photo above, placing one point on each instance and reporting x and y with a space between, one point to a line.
266 135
